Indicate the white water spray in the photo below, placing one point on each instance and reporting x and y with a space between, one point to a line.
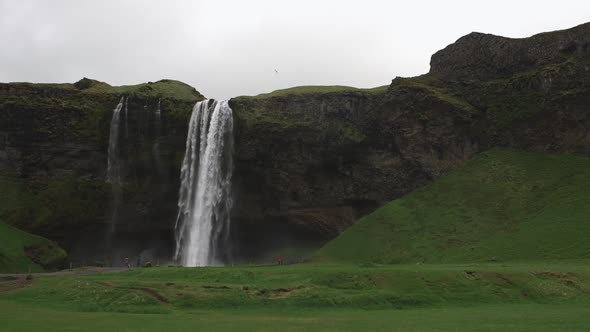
114 161
204 203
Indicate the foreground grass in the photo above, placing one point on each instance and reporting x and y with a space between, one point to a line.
502 206
530 317
445 297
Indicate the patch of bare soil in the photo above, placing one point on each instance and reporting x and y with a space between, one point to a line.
11 283
153 293
282 293
564 278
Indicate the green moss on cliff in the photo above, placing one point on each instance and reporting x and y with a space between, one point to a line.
528 94
82 111
162 89
51 204
437 89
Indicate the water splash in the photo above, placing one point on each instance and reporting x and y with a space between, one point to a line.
114 161
204 203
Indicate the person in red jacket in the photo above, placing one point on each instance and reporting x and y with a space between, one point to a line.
126 261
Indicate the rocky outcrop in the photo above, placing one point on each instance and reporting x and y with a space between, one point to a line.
479 56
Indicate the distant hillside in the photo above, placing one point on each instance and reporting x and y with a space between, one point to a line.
20 251
501 206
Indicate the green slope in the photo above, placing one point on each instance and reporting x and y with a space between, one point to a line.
501 206
20 251
319 89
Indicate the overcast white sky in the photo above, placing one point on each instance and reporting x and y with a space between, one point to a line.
227 48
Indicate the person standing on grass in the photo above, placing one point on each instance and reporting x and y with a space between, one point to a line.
126 262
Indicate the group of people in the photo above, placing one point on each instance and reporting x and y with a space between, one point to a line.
128 265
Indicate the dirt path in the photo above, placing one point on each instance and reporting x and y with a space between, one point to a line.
153 293
80 272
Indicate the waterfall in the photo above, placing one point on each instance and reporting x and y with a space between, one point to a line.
156 147
126 118
204 203
114 161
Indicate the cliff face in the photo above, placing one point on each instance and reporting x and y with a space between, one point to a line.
53 161
313 163
532 93
308 161
479 56
314 159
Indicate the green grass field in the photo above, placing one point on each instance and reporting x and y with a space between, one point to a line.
446 297
502 206
501 244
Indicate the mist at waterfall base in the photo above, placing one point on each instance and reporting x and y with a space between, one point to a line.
204 203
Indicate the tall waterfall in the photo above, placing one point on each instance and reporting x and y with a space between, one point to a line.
204 203
114 160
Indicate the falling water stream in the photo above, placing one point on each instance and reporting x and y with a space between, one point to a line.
156 146
202 225
114 162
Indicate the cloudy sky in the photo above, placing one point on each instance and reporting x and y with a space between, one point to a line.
227 48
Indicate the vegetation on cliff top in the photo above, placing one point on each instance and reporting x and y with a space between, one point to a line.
171 89
502 206
319 89
161 89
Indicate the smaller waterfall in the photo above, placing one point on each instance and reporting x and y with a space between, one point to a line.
126 118
114 161
156 147
204 203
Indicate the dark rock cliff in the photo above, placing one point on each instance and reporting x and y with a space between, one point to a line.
308 161
314 160
479 56
53 161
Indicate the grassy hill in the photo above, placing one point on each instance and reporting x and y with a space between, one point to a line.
20 251
319 89
502 206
